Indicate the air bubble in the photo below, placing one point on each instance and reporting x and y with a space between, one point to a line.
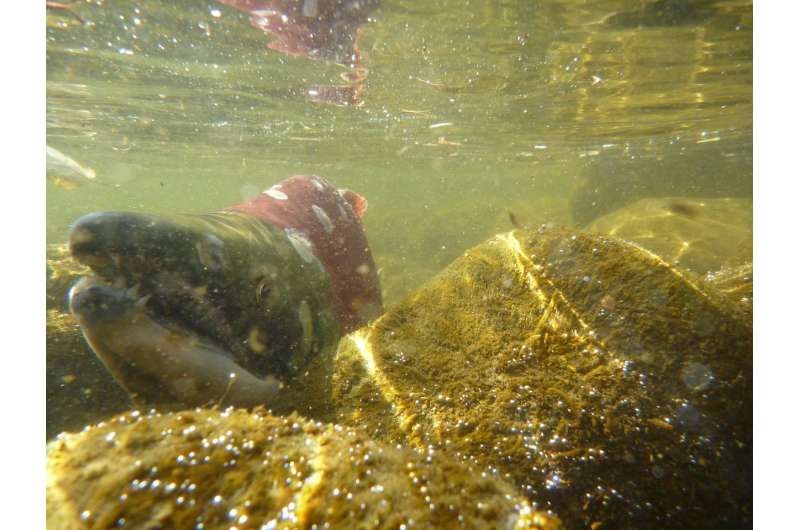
697 376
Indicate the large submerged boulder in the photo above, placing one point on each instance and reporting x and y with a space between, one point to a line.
585 374
737 284
702 235
206 469
605 383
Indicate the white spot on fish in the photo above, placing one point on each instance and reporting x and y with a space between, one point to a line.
276 194
210 251
363 269
301 244
254 340
323 218
317 184
342 211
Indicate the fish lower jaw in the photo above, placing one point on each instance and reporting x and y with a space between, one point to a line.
150 357
96 298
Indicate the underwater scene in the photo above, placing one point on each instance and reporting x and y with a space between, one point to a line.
399 264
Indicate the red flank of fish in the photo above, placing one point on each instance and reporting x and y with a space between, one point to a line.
331 221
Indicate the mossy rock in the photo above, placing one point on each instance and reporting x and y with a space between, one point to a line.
701 235
62 273
601 382
213 470
737 284
409 257
79 389
605 383
613 180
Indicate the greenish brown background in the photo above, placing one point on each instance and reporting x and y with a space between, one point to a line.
179 110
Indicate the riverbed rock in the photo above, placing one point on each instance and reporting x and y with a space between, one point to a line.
211 469
702 235
605 383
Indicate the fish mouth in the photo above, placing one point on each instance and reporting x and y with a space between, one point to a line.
160 363
107 312
187 310
166 267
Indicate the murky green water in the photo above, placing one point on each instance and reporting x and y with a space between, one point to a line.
471 110
625 117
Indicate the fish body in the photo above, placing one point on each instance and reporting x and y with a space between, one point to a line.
66 172
309 209
181 307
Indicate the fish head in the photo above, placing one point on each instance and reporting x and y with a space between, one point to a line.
179 306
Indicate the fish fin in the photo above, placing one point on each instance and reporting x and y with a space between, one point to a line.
356 201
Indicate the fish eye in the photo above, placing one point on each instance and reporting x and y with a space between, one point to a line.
263 289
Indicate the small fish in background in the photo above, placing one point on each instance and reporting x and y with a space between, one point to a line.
683 208
515 222
65 172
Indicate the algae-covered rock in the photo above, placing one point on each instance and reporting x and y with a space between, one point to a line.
447 232
737 284
597 379
79 388
207 469
602 381
698 234
62 273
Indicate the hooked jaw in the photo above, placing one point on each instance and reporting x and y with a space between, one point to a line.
95 302
106 314
155 362
120 244
129 311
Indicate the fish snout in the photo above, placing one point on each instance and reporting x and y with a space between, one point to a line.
96 237
128 244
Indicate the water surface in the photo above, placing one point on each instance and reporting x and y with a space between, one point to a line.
559 111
